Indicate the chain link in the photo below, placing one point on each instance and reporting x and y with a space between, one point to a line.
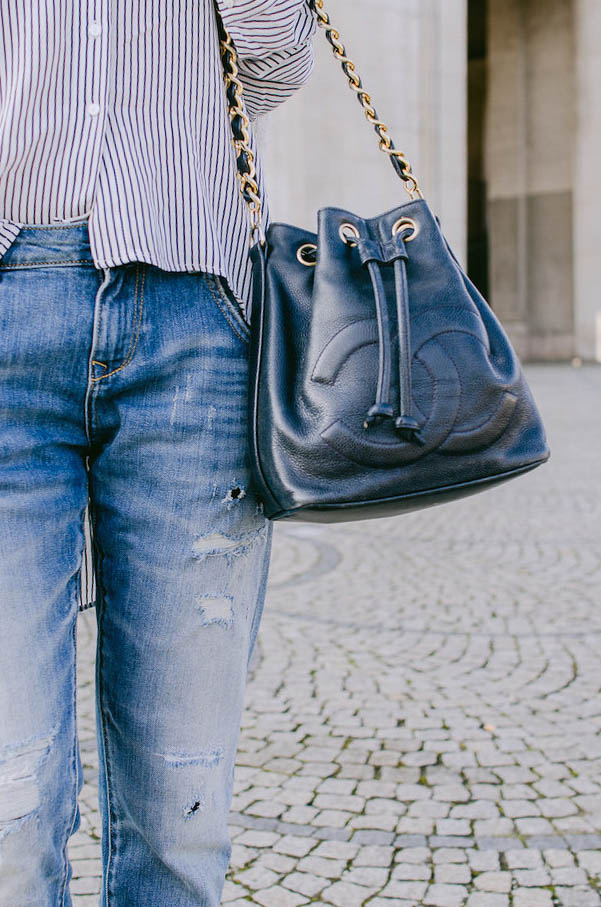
245 159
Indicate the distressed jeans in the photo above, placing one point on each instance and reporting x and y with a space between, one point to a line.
124 387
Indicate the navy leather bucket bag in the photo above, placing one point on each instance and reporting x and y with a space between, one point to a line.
381 380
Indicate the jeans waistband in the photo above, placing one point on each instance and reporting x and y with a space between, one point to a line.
49 244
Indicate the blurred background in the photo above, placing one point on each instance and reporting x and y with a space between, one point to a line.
497 104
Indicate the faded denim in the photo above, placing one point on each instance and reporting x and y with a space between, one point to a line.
128 385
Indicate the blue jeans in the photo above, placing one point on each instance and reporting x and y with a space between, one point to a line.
126 385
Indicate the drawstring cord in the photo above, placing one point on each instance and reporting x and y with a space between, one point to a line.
373 253
406 425
382 408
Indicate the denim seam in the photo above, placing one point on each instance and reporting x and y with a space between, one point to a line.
223 306
65 261
75 765
139 305
222 286
100 693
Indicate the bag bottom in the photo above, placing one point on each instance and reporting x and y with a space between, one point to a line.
405 503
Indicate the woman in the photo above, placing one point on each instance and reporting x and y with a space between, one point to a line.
124 284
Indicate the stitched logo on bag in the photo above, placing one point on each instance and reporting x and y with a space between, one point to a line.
437 363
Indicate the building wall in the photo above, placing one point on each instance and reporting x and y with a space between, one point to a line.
587 178
539 174
530 124
319 149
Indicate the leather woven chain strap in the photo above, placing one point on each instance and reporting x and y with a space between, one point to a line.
245 159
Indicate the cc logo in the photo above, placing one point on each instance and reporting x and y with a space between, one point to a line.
446 427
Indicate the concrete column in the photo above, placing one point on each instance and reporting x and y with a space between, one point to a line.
318 149
587 180
529 173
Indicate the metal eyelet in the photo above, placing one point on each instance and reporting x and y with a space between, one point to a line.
344 231
307 254
403 224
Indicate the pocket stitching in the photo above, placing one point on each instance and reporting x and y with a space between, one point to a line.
240 328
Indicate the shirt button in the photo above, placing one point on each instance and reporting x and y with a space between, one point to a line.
93 109
94 29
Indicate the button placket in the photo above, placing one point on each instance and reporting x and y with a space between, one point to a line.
94 31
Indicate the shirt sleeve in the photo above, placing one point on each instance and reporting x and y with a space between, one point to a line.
275 52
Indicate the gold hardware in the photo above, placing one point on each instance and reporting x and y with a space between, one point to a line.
344 231
403 224
303 252
248 181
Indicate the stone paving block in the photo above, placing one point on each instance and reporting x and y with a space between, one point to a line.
413 855
499 882
369 876
478 809
390 902
500 844
493 827
449 855
408 826
377 822
452 874
569 876
322 866
341 850
279 897
411 891
344 894
487 899
411 871
453 827
332 818
295 847
365 836
445 895
526 858
434 809
452 793
295 828
450 841
278 862
532 897
583 842
257 877
305 883
577 897
591 862
521 809
534 826
374 855
484 860
535 878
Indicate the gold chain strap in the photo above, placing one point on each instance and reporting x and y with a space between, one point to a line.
245 158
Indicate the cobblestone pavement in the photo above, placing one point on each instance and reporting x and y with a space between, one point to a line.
423 712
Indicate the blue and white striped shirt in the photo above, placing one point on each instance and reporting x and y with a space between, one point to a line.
115 110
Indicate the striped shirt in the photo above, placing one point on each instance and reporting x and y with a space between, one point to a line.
114 111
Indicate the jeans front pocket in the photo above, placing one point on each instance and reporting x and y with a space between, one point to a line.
228 305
